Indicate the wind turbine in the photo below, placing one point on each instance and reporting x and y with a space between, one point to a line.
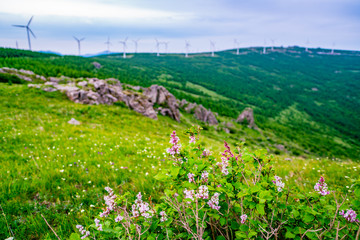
17 45
264 49
124 46
236 46
166 46
78 41
157 47
272 44
28 30
187 46
212 47
333 46
108 43
307 46
136 44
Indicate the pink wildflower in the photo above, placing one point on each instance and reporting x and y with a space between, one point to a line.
321 187
279 183
205 176
350 215
98 225
175 148
203 192
163 216
192 139
243 218
214 201
191 177
109 201
189 194
119 218
83 231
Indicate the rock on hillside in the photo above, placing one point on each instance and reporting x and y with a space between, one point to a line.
161 96
248 115
200 112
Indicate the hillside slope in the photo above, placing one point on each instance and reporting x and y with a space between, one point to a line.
308 102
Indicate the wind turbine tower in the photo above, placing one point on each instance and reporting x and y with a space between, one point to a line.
136 44
28 31
307 46
264 49
78 42
236 42
108 43
212 47
332 49
17 45
187 46
272 44
157 47
124 46
166 46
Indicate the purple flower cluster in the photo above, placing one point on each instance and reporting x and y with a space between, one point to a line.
141 208
214 201
163 216
203 192
192 139
110 202
205 176
321 187
189 194
243 218
119 218
226 155
280 185
206 153
223 165
191 177
98 225
350 215
174 140
83 231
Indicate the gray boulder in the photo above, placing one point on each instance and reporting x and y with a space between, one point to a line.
247 115
205 115
160 95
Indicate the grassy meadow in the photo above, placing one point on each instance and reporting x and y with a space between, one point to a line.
59 170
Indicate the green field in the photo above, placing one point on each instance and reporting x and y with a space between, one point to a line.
59 170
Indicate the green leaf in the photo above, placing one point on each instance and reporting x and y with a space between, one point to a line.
222 221
74 236
174 171
161 177
260 208
289 235
308 218
244 228
220 238
235 225
357 193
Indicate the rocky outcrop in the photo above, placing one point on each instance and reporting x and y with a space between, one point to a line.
205 115
25 75
200 112
161 96
248 116
96 65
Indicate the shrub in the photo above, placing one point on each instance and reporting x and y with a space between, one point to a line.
235 197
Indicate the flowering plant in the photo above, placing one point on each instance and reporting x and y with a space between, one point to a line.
236 196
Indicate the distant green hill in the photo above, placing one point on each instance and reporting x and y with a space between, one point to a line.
308 102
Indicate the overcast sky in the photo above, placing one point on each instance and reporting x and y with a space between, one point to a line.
323 23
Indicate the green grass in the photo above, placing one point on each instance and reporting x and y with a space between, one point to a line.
59 170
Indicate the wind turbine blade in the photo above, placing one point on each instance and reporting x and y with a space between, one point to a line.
31 32
82 39
22 26
76 38
30 21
